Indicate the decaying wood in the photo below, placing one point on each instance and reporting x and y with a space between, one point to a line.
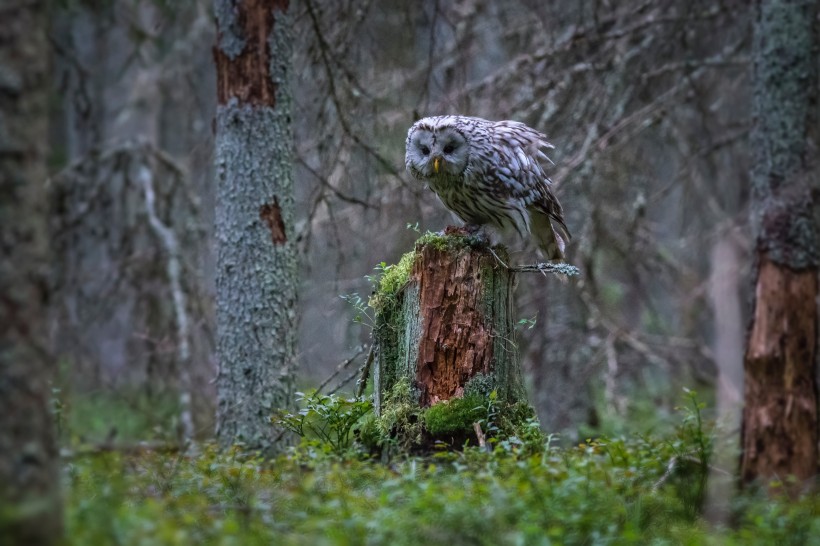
781 400
780 431
243 65
456 338
453 324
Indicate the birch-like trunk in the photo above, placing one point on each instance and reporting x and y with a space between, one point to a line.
30 504
256 263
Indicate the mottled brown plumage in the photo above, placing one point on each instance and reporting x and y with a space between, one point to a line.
489 173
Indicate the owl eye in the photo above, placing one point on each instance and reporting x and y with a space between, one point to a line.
449 149
425 150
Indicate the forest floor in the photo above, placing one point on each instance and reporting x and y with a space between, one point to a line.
640 489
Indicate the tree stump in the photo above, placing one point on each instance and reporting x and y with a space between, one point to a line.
446 356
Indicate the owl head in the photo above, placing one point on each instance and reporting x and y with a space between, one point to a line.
436 147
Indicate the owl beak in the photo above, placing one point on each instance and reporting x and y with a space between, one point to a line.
436 164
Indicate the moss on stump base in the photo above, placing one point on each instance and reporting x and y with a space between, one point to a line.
446 355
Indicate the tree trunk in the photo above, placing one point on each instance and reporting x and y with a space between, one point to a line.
725 279
444 330
779 436
256 263
30 504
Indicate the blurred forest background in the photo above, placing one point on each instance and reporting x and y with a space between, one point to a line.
647 102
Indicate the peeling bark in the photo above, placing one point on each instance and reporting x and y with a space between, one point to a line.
450 326
272 216
455 340
781 399
243 53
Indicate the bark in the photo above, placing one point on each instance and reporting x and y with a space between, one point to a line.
256 263
30 505
780 418
456 330
779 435
448 331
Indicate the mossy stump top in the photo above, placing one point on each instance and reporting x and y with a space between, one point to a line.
445 332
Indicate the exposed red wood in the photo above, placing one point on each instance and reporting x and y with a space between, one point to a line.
780 415
456 341
247 76
271 214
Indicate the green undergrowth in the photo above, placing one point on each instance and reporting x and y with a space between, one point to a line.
120 416
450 424
348 427
622 490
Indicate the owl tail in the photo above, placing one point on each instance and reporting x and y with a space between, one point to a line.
551 241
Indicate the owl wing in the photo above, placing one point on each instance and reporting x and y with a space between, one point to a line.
519 169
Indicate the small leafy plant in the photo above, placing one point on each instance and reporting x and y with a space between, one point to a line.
326 418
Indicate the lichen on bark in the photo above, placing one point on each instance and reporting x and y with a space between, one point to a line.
785 76
256 262
780 427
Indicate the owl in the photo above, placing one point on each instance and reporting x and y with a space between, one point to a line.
489 173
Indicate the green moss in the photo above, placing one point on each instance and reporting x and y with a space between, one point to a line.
455 416
399 418
394 277
442 242
389 323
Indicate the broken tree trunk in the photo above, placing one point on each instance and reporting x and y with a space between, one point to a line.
780 417
445 340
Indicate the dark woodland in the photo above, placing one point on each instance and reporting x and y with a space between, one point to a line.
230 315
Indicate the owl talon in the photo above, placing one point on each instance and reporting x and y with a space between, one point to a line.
479 241
477 236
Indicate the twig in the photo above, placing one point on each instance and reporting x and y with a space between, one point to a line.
344 382
669 469
673 463
339 369
547 267
497 257
366 371
541 267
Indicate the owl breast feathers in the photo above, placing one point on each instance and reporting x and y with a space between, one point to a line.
489 173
